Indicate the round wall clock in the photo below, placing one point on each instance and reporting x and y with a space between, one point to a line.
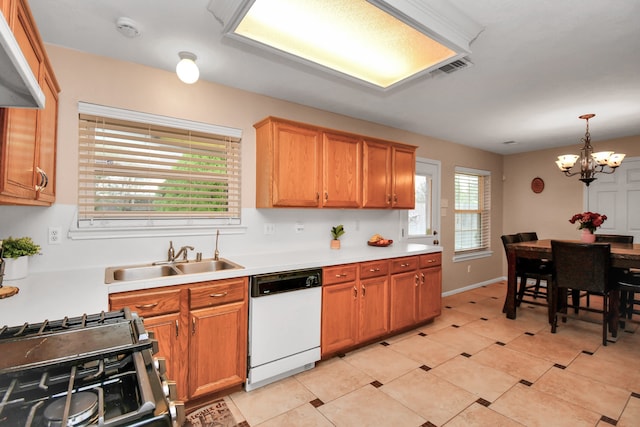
537 185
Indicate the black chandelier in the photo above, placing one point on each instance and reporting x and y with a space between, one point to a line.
590 163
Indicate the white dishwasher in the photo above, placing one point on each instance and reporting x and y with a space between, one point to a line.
284 325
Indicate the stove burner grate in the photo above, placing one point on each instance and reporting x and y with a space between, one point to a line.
82 410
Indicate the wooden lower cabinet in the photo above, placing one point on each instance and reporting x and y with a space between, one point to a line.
430 288
354 310
404 292
166 329
201 329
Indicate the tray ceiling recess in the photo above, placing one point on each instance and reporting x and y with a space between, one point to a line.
381 44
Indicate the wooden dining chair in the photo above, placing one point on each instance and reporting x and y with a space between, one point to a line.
581 267
613 238
525 269
629 287
541 268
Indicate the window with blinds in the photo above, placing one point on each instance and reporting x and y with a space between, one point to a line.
137 166
472 210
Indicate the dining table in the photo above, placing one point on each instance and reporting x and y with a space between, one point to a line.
623 255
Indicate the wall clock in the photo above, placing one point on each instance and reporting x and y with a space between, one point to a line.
537 185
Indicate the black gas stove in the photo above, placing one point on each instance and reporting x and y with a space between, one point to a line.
90 370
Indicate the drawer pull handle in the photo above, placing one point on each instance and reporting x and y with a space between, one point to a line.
177 328
431 260
364 291
193 326
373 270
417 280
355 292
341 275
405 265
151 305
222 294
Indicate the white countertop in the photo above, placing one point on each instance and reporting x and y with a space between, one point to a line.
54 295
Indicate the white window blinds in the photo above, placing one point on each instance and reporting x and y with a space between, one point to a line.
135 165
472 211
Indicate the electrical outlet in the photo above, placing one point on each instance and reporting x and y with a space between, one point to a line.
55 234
469 268
269 228
299 227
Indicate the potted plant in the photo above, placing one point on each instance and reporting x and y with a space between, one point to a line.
588 223
16 253
336 232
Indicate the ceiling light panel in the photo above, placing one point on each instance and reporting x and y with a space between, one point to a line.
352 37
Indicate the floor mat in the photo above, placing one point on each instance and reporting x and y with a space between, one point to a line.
215 414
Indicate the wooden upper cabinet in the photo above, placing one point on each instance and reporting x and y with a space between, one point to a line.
389 175
403 165
299 165
341 171
376 175
288 159
28 136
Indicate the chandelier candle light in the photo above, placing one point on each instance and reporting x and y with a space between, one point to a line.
590 163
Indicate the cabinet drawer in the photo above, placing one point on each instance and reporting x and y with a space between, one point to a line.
401 265
208 295
430 260
149 303
339 274
374 269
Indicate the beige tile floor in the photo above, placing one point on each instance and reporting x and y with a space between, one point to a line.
469 367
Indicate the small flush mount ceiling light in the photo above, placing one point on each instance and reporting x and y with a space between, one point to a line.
378 42
187 70
590 163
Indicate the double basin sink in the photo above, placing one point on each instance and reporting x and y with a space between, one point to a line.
165 269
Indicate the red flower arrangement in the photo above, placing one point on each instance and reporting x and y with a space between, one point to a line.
589 220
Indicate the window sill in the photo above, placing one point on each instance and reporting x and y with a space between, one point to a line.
470 256
135 232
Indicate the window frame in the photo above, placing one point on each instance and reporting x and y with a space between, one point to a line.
484 250
157 226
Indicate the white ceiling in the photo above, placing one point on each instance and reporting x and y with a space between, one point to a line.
538 65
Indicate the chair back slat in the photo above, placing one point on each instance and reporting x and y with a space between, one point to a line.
528 236
613 238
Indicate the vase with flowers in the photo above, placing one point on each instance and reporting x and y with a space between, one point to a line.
588 223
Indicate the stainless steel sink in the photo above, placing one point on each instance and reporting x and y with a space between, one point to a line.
157 270
206 266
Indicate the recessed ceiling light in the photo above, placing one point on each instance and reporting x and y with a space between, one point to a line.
370 41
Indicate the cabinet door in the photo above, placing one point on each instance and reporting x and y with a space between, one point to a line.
46 162
339 317
341 171
376 175
217 348
374 308
20 124
430 295
403 299
166 330
296 166
404 169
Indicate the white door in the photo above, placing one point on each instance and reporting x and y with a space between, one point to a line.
618 197
422 224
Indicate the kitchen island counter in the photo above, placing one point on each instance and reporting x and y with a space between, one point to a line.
56 294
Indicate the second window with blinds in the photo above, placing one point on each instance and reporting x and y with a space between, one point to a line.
472 212
139 169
